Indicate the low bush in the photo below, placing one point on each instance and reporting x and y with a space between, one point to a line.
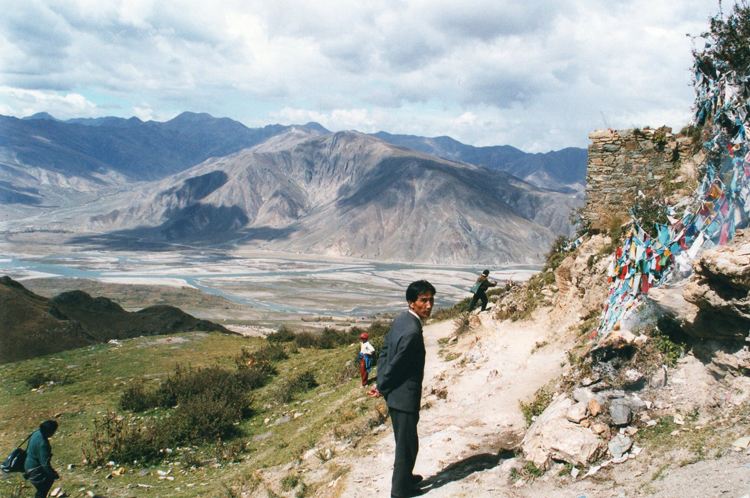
230 452
649 212
268 353
289 482
301 382
349 371
137 399
116 440
202 405
450 313
186 384
283 334
46 377
461 323
196 420
557 253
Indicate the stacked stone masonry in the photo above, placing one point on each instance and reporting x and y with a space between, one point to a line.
623 162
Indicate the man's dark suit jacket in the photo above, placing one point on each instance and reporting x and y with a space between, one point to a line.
401 364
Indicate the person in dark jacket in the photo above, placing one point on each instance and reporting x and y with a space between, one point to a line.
39 470
480 294
400 374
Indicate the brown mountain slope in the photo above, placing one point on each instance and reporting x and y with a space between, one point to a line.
344 194
32 325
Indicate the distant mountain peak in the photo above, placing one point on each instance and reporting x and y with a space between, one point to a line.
191 117
313 126
42 115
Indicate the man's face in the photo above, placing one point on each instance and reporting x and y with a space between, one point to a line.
423 305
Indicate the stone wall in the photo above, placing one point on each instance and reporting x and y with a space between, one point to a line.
623 162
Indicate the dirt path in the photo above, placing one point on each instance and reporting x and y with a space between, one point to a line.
500 364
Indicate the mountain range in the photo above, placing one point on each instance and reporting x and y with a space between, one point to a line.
198 179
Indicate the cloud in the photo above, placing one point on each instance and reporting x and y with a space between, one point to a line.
537 75
28 102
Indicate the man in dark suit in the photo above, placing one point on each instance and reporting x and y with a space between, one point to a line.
400 375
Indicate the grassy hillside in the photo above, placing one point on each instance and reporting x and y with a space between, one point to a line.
284 425
32 325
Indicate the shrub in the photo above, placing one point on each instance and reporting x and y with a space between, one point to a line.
44 377
349 371
670 340
115 440
305 340
582 224
205 404
298 383
648 211
730 38
186 384
557 253
136 399
255 376
330 338
283 334
461 323
267 353
454 311
203 418
289 482
230 452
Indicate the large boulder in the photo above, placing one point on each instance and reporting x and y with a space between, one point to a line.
553 437
715 302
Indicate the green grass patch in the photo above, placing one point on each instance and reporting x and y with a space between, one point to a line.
189 372
533 408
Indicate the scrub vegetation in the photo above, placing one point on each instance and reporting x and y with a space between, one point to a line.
195 414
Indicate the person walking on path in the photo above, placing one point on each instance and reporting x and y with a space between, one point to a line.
400 374
365 357
483 283
38 468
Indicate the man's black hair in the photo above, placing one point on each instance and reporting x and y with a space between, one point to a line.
48 427
418 288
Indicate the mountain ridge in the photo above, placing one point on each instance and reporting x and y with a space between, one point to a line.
201 180
32 325
345 194
564 170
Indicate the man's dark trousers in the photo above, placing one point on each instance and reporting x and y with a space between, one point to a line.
42 489
407 447
480 295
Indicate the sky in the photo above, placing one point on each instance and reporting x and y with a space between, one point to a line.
537 75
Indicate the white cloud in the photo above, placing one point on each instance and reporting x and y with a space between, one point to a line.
22 103
538 75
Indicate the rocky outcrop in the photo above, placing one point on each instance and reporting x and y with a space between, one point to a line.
714 303
580 279
553 436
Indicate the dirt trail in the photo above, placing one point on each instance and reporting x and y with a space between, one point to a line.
500 364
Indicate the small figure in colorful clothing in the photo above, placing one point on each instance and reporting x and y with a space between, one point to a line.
365 357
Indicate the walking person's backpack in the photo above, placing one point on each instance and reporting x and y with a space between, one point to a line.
16 460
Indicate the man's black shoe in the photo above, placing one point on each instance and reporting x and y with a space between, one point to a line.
414 492
416 478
